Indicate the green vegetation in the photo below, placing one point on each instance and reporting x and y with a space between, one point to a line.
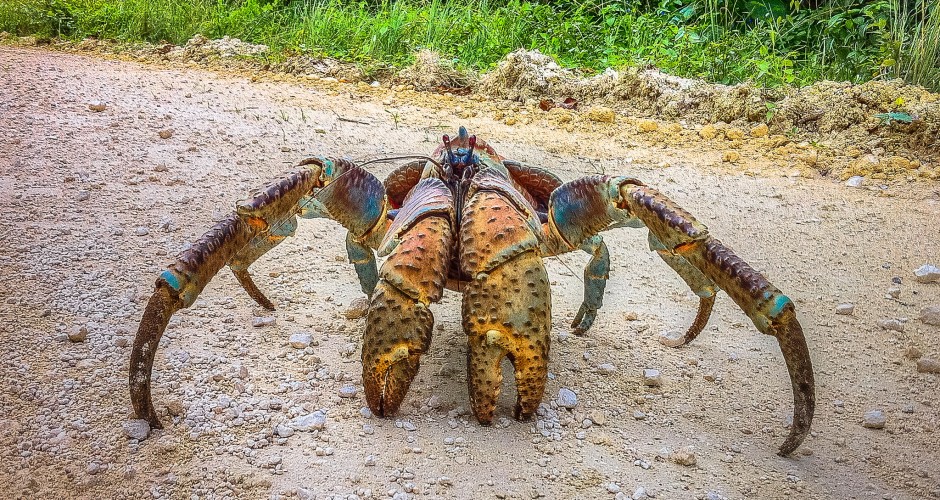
770 42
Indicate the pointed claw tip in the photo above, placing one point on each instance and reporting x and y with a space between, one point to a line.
161 306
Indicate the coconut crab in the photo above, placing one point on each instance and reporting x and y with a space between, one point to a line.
468 219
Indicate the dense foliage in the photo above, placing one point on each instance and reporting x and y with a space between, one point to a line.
770 42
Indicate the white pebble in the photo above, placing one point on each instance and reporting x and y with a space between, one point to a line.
874 419
845 309
927 273
652 377
567 398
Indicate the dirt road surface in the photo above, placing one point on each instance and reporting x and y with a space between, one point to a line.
95 204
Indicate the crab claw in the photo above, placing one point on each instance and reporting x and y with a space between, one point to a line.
161 306
789 334
399 323
398 331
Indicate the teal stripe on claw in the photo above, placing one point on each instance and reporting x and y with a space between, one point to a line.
779 303
171 279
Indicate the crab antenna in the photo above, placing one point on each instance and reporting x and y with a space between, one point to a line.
473 142
450 153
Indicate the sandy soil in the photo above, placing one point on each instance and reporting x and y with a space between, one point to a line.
96 203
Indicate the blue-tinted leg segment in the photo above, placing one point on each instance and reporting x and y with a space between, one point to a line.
363 258
595 281
255 248
698 282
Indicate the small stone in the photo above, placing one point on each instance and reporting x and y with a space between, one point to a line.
606 368
927 273
305 494
893 293
365 412
370 461
892 324
708 132
97 106
639 415
601 114
845 309
684 457
760 131
358 308
613 488
734 133
284 431
166 133
855 181
142 231
567 398
647 126
639 494
652 377
160 167
928 365
409 426
175 408
78 334
586 423
930 315
309 422
83 195
137 428
262 321
445 481
874 419
300 340
347 391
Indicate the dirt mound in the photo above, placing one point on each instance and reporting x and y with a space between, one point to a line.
825 107
200 47
323 67
432 72
528 76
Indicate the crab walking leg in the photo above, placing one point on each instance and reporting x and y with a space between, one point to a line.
321 187
698 282
580 209
770 310
177 288
596 273
507 304
399 323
